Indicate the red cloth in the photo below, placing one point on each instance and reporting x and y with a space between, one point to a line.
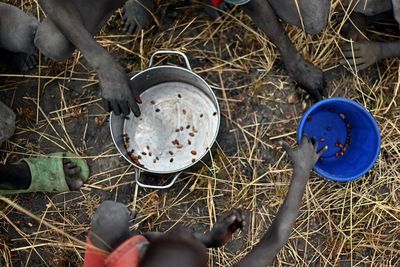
216 2
94 257
126 255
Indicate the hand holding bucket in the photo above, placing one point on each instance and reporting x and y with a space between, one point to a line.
351 134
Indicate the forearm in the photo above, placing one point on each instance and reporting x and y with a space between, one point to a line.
264 253
68 19
207 240
265 18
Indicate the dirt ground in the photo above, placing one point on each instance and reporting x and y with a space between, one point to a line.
59 108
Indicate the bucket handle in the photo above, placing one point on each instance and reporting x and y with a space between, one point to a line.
166 52
137 176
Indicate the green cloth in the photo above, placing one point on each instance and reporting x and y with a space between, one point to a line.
47 173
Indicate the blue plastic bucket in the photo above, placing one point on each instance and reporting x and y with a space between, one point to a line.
351 134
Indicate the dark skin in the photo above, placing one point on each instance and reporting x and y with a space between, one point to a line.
17 31
265 15
70 25
182 248
363 53
72 21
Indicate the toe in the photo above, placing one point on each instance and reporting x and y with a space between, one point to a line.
74 184
72 171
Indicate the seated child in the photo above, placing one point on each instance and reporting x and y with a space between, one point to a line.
110 243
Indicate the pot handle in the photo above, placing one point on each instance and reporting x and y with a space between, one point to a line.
166 52
137 178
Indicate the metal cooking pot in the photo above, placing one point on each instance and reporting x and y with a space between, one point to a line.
179 123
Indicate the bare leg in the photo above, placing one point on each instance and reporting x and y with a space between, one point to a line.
17 31
304 158
302 71
119 94
55 45
18 176
312 14
137 15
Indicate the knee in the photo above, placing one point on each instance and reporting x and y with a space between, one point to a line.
52 43
316 16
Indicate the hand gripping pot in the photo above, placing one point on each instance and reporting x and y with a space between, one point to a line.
179 122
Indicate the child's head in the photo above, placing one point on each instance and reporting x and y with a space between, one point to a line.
178 249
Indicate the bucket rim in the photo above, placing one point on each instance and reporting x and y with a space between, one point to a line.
364 111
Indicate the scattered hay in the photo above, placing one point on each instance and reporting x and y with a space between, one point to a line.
355 223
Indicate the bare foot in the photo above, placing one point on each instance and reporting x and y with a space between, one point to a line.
307 75
137 15
361 55
71 171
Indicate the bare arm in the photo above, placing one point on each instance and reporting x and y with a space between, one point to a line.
306 74
219 235
263 254
116 90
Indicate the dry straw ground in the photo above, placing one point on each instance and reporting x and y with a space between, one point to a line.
59 108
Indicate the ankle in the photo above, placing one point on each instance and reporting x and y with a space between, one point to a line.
15 176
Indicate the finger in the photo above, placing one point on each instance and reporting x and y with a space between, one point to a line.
115 108
138 29
138 99
107 105
314 142
350 47
239 215
323 91
322 150
351 54
304 139
286 147
134 107
125 108
132 28
231 219
74 184
31 62
363 66
316 95
357 61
